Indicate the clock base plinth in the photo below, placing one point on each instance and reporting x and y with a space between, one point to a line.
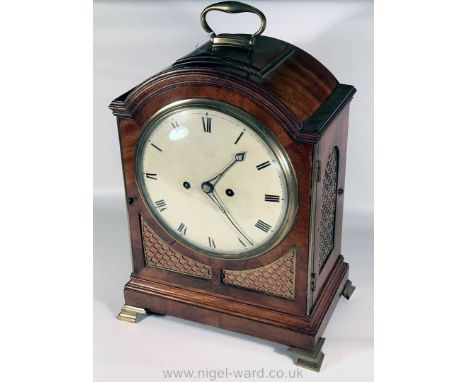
130 313
348 290
295 330
310 359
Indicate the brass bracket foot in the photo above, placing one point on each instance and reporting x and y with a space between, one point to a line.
310 359
348 289
130 313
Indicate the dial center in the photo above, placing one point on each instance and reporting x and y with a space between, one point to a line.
207 187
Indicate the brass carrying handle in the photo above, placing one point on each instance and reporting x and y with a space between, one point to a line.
232 7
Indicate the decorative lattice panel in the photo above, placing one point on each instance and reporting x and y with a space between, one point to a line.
275 279
328 208
159 255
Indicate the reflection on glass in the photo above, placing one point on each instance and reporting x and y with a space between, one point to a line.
178 133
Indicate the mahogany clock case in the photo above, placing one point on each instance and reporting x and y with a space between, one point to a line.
307 110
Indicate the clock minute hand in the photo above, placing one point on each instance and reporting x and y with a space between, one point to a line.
239 157
214 197
209 188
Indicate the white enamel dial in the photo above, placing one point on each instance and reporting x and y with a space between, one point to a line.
216 182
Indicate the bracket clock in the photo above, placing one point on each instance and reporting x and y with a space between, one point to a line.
234 167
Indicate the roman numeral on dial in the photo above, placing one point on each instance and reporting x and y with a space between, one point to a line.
206 124
211 242
238 138
156 147
182 229
263 165
161 205
272 198
150 175
174 124
263 226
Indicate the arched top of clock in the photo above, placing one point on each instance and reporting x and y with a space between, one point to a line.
272 70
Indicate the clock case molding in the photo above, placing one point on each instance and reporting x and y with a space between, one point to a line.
307 110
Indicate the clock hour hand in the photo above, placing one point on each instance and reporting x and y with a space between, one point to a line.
214 197
237 158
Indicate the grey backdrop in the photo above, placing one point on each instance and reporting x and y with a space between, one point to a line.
132 41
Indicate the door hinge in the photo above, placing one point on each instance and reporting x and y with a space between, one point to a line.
312 281
318 170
